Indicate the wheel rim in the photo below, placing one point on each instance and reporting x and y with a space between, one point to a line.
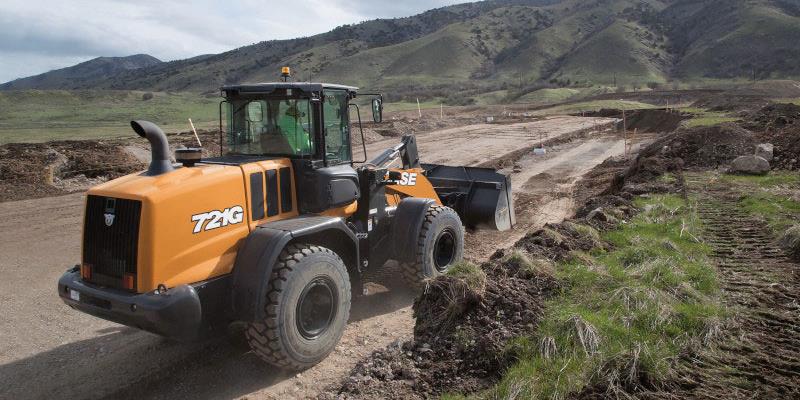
316 308
444 249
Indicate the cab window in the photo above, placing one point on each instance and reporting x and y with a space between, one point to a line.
270 127
336 126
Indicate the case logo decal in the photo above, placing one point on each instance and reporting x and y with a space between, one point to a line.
217 219
109 218
408 179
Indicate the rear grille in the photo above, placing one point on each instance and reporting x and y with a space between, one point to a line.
111 239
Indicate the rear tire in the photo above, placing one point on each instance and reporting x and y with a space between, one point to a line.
440 245
307 308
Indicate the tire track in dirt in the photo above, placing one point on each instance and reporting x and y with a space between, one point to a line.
760 356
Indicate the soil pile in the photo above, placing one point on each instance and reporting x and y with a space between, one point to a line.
652 121
655 121
712 146
459 337
774 116
787 147
36 170
779 124
731 101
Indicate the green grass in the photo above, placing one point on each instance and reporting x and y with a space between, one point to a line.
594 106
774 198
408 106
702 117
472 275
795 101
37 116
626 314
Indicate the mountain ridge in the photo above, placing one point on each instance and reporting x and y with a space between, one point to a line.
66 78
503 43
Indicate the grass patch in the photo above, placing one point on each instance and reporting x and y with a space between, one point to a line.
702 117
621 320
43 115
594 106
471 274
795 100
774 198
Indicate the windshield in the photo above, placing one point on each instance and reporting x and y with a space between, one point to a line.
269 127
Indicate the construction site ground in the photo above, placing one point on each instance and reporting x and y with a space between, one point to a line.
49 350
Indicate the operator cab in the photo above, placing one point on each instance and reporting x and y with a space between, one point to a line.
287 119
308 123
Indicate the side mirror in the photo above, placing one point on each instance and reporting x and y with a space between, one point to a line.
377 110
254 112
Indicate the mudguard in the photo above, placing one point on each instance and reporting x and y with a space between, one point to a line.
406 224
259 253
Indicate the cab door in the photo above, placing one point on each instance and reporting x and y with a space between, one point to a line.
336 127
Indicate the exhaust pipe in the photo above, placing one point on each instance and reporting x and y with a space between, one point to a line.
159 148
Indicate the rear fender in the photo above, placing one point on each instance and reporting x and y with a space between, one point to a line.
260 251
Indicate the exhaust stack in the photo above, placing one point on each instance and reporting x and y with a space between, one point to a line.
159 148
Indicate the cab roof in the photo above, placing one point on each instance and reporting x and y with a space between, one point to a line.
253 88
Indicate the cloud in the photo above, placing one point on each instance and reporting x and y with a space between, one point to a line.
43 35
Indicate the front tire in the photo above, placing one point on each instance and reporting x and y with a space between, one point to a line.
440 245
307 308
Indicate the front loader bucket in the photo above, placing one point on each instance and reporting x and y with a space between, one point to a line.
481 196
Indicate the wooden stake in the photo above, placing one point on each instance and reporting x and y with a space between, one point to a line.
441 111
419 109
195 133
625 131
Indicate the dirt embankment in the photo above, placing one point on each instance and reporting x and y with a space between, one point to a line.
465 322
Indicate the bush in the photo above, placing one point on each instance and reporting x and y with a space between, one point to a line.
147 96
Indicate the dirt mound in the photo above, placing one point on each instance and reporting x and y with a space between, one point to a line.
557 242
787 147
775 116
731 101
704 146
460 336
45 169
653 121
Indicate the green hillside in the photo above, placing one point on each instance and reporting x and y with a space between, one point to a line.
506 44
33 115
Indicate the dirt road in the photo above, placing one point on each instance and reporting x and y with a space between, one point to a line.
48 350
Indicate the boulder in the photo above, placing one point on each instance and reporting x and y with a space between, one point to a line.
765 151
750 165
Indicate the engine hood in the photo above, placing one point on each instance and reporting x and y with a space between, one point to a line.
192 221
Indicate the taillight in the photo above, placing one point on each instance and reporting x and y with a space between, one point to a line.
86 272
129 281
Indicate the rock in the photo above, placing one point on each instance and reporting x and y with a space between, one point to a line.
751 165
765 151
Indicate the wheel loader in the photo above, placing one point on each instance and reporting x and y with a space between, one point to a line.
277 231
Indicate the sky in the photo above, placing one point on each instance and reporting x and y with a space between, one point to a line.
40 35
